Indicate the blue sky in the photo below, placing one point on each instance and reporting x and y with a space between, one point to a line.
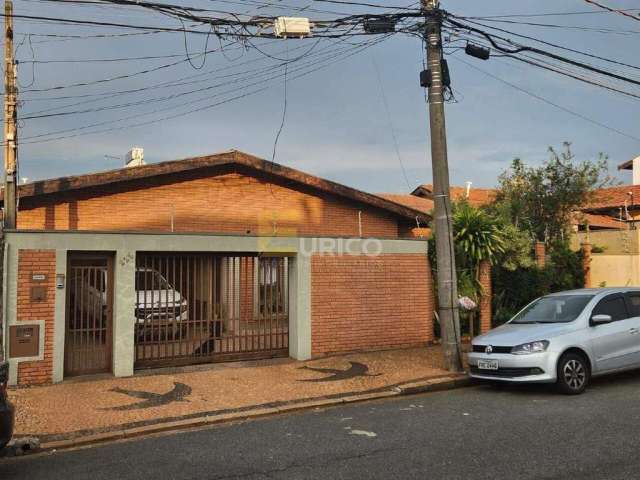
336 124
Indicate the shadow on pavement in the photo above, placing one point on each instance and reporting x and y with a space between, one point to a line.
605 382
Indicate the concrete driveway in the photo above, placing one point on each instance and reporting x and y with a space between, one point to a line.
480 432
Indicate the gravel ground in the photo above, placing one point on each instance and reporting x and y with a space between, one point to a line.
84 405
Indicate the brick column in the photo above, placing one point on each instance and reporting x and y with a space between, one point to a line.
586 263
37 270
540 252
485 298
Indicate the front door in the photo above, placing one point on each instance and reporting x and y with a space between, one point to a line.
88 342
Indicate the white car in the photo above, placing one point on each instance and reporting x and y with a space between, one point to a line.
564 338
158 303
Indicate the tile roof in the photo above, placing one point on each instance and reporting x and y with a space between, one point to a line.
597 221
614 197
232 159
423 205
477 196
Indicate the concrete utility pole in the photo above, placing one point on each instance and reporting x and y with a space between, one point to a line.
10 120
446 264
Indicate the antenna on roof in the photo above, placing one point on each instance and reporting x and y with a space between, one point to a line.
468 183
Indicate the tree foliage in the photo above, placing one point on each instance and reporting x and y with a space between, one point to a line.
477 235
513 289
542 199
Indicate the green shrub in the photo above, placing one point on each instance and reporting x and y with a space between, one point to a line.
513 289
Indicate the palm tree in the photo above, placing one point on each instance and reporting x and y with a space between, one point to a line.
478 240
477 235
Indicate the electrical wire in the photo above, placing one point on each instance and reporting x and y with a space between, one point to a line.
544 42
524 48
613 10
391 129
548 102
40 137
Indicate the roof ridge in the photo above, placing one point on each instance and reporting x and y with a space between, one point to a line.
237 157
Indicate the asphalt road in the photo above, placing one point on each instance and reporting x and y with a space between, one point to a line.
479 432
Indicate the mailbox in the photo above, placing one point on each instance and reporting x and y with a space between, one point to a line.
24 340
38 293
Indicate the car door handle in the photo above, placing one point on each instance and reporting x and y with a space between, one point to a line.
634 331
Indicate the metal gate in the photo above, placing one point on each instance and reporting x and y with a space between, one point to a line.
88 314
195 308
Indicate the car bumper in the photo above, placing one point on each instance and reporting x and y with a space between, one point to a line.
7 418
533 368
162 320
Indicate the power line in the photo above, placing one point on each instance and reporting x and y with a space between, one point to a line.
548 102
489 37
39 138
551 14
361 4
565 27
555 69
249 74
392 130
613 10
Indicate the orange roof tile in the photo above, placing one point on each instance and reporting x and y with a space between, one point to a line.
477 196
597 221
423 205
614 197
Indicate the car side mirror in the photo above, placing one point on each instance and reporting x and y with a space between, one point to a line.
601 319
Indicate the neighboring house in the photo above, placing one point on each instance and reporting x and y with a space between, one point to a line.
215 258
475 196
421 199
612 239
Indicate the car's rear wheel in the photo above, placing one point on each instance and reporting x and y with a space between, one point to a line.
573 374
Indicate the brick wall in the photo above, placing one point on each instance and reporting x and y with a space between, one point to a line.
362 302
32 262
485 298
199 202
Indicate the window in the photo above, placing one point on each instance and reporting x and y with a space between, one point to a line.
634 303
612 305
272 285
147 279
553 309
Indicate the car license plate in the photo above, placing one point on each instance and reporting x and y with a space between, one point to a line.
488 364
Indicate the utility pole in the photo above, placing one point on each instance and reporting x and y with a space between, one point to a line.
446 275
10 120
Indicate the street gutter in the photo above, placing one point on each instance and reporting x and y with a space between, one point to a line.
93 437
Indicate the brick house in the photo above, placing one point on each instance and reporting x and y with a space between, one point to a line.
606 229
207 259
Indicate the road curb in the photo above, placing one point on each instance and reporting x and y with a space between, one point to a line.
434 385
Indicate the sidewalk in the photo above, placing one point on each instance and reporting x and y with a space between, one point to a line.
80 408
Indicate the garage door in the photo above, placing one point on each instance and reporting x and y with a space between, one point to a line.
195 308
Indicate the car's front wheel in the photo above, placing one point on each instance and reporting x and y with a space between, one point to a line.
573 374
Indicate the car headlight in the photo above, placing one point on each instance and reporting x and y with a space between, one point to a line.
531 347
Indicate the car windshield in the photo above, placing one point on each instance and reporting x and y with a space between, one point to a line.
553 309
150 280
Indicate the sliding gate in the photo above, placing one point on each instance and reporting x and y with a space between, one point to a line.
195 308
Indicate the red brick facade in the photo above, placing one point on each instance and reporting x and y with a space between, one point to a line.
540 253
485 298
357 302
586 263
369 302
189 202
37 262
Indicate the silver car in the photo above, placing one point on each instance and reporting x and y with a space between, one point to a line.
564 338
